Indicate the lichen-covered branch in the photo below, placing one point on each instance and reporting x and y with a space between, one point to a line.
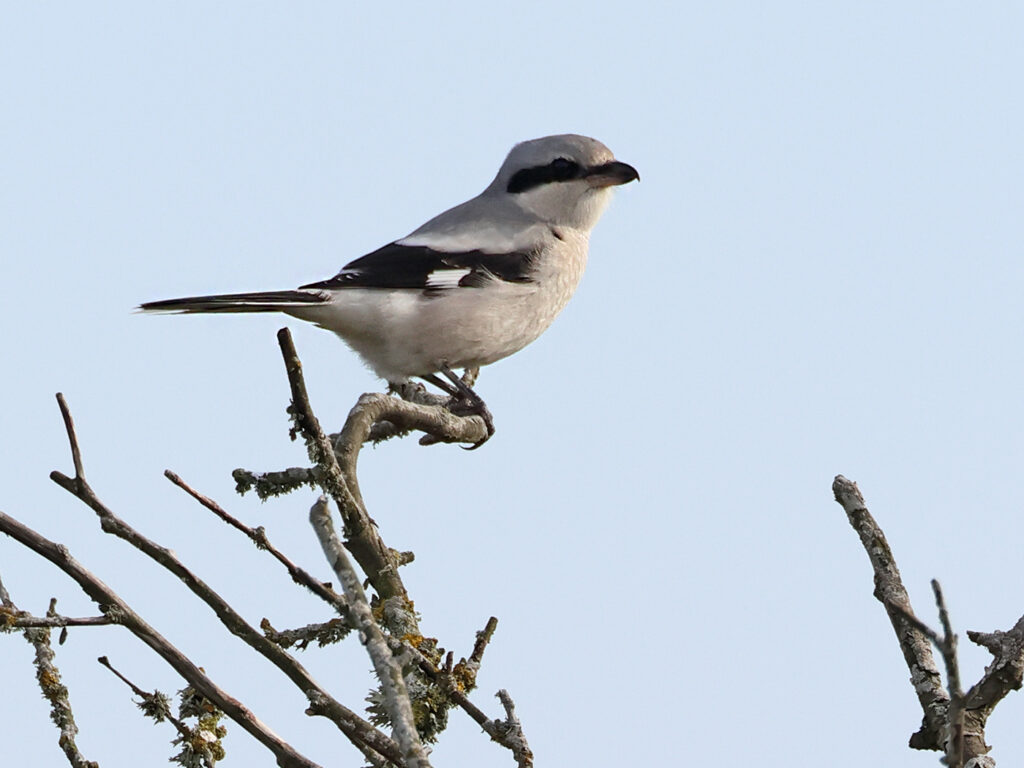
53 689
954 721
361 537
388 670
1004 674
889 590
199 745
458 680
513 732
323 634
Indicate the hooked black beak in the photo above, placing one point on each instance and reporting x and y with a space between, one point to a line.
611 174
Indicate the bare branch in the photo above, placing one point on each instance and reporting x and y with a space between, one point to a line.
259 537
955 721
889 589
337 477
406 655
50 622
112 605
947 646
154 705
322 703
389 672
483 639
5 597
69 426
353 726
54 691
1004 674
514 732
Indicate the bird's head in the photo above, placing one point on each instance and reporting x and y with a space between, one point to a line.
563 180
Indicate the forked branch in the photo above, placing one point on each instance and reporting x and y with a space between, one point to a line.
954 721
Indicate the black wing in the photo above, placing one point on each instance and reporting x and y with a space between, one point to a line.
424 268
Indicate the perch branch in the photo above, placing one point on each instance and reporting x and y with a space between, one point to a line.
338 479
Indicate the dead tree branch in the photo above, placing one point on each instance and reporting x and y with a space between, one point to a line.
889 590
37 634
954 721
361 537
416 689
322 703
388 670
258 536
113 606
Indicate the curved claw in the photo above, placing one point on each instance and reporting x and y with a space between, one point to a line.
484 414
472 404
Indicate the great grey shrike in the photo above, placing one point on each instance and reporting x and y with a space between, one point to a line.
472 285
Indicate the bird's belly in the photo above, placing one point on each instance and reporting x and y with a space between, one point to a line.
401 333
464 329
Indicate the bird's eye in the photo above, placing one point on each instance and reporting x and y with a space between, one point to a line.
562 168
559 169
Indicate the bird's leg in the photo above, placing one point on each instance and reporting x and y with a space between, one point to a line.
469 376
441 384
466 394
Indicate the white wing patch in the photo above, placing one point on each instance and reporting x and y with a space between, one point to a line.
446 278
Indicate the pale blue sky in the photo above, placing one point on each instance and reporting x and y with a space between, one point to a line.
819 273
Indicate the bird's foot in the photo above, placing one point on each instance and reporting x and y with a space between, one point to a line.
465 402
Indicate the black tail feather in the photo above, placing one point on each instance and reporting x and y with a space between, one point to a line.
268 301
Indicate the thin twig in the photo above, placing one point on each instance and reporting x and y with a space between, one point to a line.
955 743
321 702
949 641
5 596
112 604
50 622
483 639
153 704
259 537
508 733
946 644
69 427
